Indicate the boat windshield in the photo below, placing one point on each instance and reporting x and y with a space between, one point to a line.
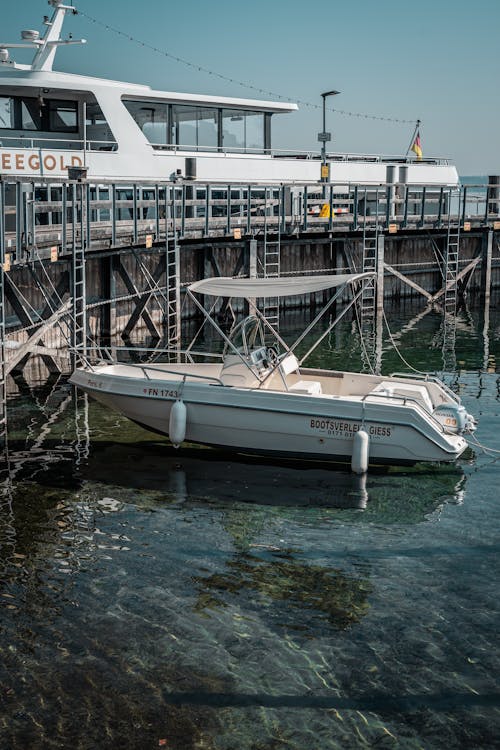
246 335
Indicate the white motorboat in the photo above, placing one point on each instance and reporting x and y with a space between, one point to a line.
260 399
51 120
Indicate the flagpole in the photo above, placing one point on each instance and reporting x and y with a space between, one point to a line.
417 128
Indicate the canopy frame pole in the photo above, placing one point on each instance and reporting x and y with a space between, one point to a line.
318 317
363 278
208 317
332 325
219 330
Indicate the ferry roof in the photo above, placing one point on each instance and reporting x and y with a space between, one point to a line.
79 83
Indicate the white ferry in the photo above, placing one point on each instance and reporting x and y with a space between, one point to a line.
50 121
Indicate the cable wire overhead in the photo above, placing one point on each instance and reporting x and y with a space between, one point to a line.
222 77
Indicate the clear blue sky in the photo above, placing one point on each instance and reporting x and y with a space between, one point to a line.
438 61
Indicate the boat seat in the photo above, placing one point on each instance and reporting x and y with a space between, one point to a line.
289 364
311 387
412 391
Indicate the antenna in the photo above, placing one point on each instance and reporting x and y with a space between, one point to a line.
45 46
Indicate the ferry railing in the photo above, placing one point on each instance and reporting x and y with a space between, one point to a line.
189 148
68 144
61 144
21 141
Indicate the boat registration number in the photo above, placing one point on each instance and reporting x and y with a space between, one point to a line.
160 392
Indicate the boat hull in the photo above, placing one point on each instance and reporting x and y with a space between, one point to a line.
276 423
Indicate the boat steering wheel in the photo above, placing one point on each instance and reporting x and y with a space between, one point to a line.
272 356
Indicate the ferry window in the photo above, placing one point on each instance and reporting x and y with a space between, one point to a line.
94 114
31 114
6 112
62 116
38 113
184 125
254 131
197 127
152 118
207 120
243 130
99 135
233 129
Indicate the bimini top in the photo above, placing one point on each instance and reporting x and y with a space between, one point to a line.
284 286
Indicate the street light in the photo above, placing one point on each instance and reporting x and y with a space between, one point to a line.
324 137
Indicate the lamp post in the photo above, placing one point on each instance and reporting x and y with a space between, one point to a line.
324 137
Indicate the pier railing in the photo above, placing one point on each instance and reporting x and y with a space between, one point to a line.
52 214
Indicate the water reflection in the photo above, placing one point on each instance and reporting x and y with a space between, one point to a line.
67 455
197 475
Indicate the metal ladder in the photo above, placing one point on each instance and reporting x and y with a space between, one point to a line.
271 259
450 278
172 312
3 370
368 297
79 296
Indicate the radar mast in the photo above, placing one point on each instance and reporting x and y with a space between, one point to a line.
45 46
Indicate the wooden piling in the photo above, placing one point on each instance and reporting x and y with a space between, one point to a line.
486 258
380 271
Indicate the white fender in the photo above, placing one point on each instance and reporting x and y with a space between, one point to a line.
177 423
360 451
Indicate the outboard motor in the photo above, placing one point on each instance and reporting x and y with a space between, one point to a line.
454 419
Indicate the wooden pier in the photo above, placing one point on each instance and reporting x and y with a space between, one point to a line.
83 261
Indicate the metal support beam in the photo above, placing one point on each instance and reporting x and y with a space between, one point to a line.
139 295
408 281
467 269
25 349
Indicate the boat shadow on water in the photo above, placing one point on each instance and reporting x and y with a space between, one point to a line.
154 471
150 471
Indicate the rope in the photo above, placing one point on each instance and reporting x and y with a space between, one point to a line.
470 439
484 448
419 372
244 84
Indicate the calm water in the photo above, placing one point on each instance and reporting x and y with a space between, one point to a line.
153 598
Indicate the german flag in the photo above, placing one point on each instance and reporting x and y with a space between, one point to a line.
416 147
